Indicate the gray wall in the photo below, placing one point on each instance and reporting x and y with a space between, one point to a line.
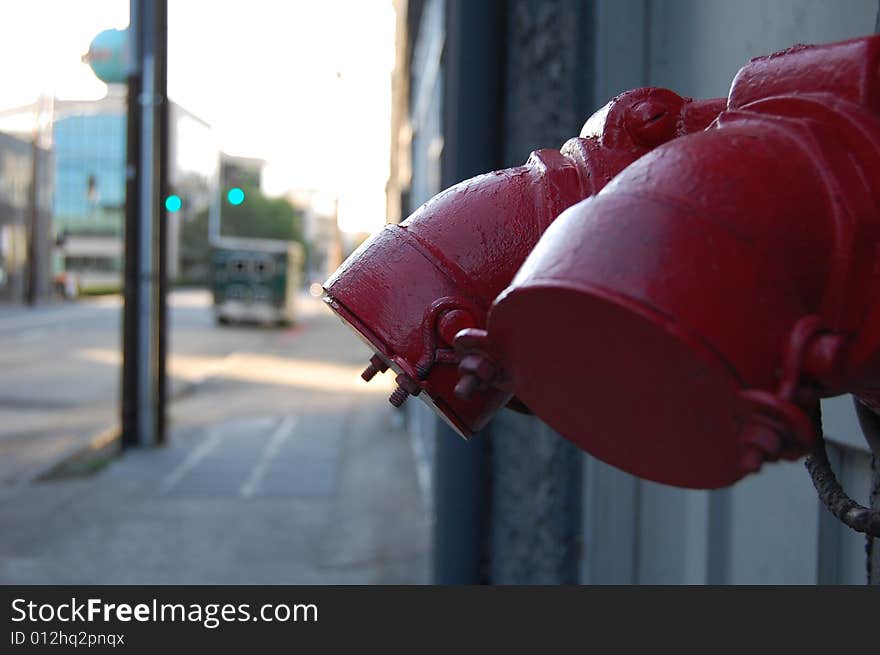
535 474
769 528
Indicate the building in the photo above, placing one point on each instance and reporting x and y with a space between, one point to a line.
479 85
25 216
89 204
769 528
327 244
241 171
195 162
88 208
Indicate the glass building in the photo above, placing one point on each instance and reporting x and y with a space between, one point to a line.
90 174
24 243
89 208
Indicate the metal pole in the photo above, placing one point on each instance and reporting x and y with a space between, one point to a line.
36 247
471 137
214 209
33 250
143 384
162 162
146 354
538 109
130 408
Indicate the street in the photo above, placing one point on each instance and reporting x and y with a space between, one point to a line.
282 465
53 397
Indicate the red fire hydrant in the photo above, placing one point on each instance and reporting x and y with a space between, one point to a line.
412 287
683 323
680 324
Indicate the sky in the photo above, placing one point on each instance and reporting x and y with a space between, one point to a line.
303 85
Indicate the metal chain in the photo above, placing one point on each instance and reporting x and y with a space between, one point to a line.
855 516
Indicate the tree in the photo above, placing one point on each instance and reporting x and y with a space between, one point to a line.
260 217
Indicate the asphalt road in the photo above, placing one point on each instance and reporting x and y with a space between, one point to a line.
61 369
53 396
282 465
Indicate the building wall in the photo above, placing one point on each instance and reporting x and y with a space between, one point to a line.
15 174
194 160
536 473
23 247
510 502
90 174
423 130
488 83
768 528
89 206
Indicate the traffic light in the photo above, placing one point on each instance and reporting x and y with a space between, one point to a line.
173 203
235 196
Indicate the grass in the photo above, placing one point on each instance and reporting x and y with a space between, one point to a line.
100 290
103 449
110 289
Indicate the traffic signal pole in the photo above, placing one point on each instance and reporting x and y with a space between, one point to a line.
145 319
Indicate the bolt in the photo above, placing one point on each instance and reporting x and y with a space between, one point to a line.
751 459
650 122
375 366
823 358
369 373
398 396
479 366
471 339
453 322
466 386
766 440
406 387
406 382
762 443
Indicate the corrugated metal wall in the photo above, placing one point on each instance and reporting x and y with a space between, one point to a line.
769 528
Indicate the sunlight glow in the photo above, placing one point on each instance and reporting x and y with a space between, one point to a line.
261 369
312 92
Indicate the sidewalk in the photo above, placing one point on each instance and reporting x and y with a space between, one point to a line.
282 467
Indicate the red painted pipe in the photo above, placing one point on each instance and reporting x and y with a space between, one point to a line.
680 324
410 288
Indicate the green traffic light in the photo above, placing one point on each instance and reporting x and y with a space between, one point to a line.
235 196
173 203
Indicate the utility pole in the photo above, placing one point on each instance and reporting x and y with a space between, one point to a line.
37 249
145 320
471 97
34 250
499 104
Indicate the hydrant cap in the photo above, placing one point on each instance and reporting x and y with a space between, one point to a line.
644 396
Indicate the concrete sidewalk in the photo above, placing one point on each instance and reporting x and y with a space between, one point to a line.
282 468
61 368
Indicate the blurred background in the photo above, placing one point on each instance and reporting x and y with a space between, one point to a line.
293 131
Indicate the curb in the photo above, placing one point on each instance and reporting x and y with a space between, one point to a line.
84 461
101 448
